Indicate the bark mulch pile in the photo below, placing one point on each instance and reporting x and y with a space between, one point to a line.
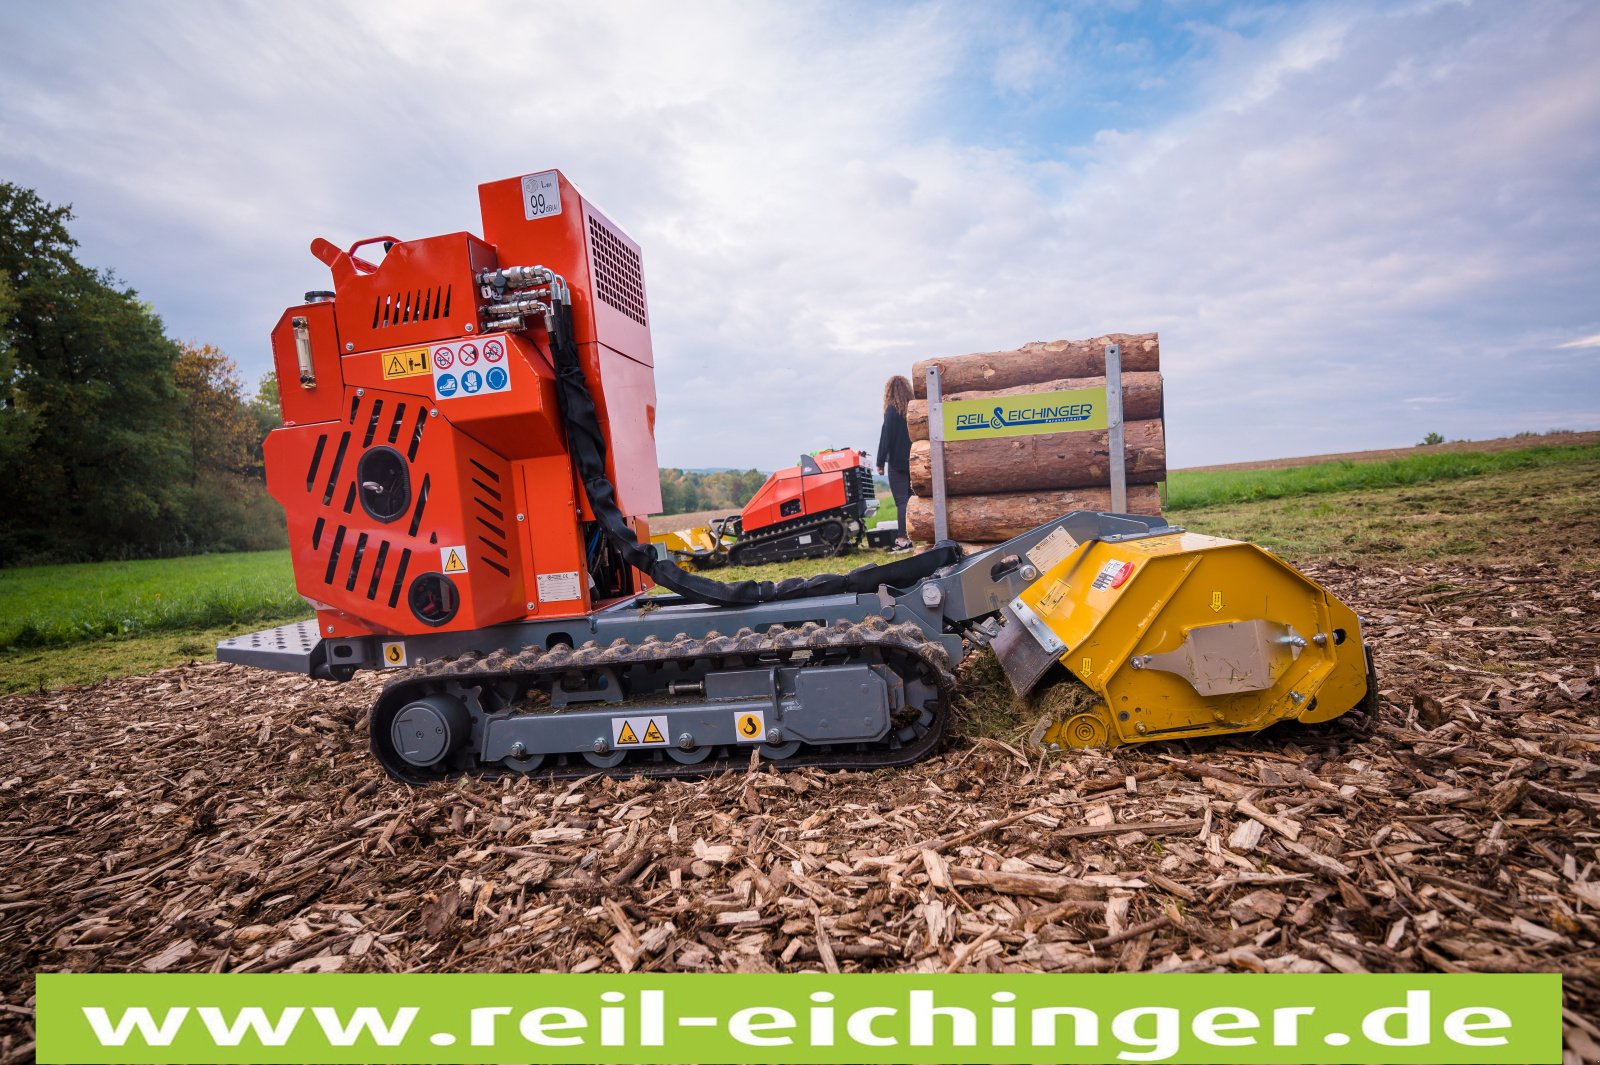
214 818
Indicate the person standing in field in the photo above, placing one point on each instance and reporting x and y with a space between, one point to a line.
894 451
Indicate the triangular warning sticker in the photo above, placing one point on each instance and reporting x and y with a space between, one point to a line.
627 734
396 365
653 734
453 563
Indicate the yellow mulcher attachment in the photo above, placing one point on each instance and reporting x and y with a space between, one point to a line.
700 547
1179 635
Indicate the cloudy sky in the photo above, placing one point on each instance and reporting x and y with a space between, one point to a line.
1351 223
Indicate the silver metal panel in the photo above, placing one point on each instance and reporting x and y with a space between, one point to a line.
1118 470
1020 654
287 648
826 704
941 516
1230 658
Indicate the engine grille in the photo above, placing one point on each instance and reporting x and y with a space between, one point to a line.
618 276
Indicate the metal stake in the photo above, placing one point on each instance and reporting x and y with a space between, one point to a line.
941 518
1119 473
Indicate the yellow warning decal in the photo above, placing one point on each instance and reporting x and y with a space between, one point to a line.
1216 602
751 726
453 559
1088 667
394 654
638 732
1052 598
412 362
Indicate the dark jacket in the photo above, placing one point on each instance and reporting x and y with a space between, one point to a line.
894 442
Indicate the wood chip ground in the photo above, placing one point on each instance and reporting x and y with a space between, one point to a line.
218 819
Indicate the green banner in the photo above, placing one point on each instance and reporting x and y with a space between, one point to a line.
800 1018
1041 412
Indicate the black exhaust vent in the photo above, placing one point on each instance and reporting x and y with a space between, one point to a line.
355 562
333 555
399 578
316 460
402 308
372 422
618 278
422 504
338 464
416 434
377 569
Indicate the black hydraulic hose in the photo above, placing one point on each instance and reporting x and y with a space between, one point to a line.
588 447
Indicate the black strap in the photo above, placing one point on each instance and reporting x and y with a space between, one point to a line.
589 453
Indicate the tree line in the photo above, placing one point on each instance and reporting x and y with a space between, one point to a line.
686 491
116 441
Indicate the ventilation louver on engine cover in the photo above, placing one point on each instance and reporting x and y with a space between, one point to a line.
618 276
423 305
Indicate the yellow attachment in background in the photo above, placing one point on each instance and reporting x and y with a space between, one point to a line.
1186 635
694 548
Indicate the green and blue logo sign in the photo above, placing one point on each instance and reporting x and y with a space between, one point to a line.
1065 411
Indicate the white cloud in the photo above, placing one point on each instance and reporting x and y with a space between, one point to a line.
1350 207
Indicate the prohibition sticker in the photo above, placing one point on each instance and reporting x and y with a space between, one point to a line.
468 354
493 351
412 362
751 726
444 358
394 654
453 559
638 732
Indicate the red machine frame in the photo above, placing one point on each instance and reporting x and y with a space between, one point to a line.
394 390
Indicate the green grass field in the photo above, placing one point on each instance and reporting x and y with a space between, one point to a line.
1205 488
54 606
62 625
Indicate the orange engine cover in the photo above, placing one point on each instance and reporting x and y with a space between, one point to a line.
422 461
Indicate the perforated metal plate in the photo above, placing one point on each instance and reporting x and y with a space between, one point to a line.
287 648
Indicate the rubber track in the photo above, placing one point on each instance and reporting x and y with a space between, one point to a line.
904 648
749 550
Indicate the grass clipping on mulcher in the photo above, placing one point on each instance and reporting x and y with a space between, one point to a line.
987 707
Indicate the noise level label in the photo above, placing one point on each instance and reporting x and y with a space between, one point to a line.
453 559
394 654
638 732
413 362
541 195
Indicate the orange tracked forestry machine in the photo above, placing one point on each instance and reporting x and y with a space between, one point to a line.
467 457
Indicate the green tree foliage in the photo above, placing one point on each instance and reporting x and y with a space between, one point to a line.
111 436
686 491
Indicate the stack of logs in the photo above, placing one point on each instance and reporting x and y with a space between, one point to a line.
998 488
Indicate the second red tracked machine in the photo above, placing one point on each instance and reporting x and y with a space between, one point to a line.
812 510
